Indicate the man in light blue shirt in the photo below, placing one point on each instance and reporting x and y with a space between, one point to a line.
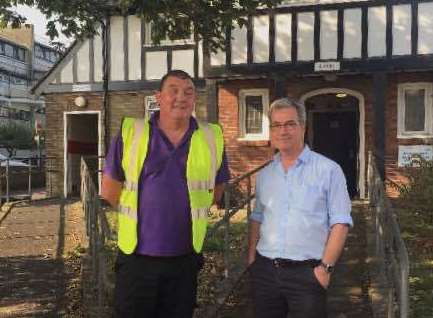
299 224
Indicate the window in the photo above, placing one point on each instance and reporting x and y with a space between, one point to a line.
9 50
20 54
151 105
182 26
254 123
39 53
415 110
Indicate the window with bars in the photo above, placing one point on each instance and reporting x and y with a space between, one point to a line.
415 110
253 120
254 114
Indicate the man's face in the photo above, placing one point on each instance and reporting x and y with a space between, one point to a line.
176 98
287 133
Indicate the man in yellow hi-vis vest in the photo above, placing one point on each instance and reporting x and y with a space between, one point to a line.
162 175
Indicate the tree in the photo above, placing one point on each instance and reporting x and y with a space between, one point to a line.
14 136
76 18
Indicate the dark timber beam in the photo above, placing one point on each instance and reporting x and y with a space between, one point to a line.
380 83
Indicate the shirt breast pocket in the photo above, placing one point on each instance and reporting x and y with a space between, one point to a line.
309 199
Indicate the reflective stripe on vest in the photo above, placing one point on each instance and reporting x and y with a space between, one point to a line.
204 159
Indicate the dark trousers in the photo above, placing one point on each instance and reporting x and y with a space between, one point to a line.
156 287
286 289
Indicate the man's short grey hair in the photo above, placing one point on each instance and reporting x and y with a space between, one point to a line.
287 102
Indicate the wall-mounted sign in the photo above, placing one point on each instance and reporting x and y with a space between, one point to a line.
406 154
326 66
81 87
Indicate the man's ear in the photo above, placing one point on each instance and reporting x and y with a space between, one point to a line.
158 96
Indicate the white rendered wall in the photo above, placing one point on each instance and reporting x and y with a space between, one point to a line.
425 28
134 48
183 60
156 65
117 54
83 63
283 37
377 31
261 39
328 34
239 45
401 29
306 36
352 33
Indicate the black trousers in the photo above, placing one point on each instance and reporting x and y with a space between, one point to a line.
156 287
280 290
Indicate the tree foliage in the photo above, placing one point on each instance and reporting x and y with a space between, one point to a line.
417 193
76 18
14 136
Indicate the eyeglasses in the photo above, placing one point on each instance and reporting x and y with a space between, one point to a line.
289 125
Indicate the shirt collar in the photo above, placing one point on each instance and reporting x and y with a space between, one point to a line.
193 125
302 158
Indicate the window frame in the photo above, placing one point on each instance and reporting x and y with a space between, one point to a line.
243 93
401 110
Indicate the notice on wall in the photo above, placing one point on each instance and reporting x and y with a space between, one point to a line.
326 66
407 154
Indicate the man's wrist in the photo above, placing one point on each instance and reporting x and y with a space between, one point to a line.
327 267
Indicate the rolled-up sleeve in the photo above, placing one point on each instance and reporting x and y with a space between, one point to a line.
257 213
339 204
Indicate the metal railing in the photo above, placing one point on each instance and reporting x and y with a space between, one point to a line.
98 232
21 177
390 247
238 195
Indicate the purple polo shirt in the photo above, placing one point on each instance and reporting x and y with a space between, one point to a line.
164 218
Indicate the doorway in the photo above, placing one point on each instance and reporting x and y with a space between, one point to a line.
333 126
82 136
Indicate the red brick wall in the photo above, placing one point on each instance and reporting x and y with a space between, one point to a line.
121 104
244 156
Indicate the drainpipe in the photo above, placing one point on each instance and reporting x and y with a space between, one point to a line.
105 69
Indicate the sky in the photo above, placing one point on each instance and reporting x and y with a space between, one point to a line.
35 17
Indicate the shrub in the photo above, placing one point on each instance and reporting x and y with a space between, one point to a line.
417 193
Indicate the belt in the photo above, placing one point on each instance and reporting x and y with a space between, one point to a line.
283 262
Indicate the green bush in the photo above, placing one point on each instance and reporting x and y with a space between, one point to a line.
417 193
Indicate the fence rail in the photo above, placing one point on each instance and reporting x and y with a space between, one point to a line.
390 247
238 194
20 177
98 232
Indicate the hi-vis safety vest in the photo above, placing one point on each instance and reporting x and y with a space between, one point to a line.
204 160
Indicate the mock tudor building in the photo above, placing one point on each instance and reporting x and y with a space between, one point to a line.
364 69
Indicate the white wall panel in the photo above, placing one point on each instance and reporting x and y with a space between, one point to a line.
134 47
261 39
305 36
83 63
425 28
377 31
283 37
401 29
97 51
117 53
328 34
239 45
352 33
66 74
218 58
156 65
200 59
183 60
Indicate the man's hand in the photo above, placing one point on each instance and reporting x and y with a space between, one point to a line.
111 190
322 276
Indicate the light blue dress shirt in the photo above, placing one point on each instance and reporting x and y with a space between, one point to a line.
297 208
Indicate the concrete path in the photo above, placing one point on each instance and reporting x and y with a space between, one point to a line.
33 239
348 292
